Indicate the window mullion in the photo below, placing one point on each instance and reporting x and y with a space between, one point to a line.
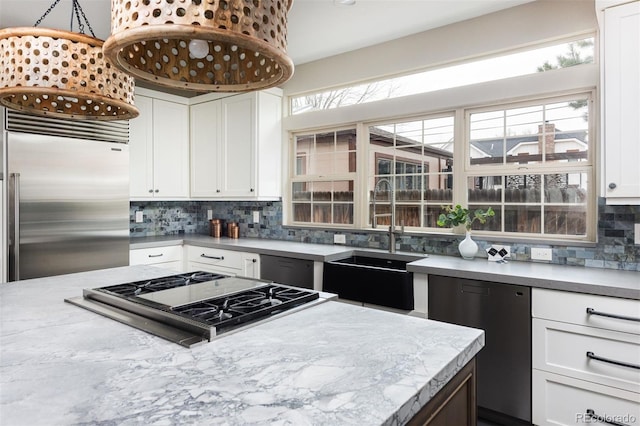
461 151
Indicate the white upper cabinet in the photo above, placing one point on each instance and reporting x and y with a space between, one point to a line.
159 149
620 41
236 145
205 141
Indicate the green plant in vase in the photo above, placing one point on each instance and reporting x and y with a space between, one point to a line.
455 216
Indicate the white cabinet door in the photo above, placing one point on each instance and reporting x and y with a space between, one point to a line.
269 145
141 150
237 146
170 149
621 89
159 150
205 147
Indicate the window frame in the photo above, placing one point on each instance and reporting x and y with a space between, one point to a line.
313 178
587 167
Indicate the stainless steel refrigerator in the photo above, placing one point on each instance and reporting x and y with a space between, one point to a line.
67 204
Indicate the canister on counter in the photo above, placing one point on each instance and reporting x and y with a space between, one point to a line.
232 230
216 228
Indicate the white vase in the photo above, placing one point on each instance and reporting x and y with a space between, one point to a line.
467 247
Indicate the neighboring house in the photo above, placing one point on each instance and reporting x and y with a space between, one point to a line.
558 145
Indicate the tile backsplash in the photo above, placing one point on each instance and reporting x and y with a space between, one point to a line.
615 249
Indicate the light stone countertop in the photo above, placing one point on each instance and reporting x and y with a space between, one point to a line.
605 282
331 364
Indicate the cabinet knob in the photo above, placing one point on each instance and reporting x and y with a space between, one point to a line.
251 190
612 185
151 191
157 190
217 190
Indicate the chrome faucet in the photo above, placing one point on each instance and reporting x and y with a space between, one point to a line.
392 214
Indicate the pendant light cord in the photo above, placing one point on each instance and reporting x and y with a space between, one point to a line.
77 10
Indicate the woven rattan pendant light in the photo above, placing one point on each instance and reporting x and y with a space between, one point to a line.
202 45
62 74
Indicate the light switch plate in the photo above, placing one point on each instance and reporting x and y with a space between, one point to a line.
139 216
340 239
209 214
256 216
636 234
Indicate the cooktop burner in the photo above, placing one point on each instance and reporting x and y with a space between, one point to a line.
194 307
138 288
226 311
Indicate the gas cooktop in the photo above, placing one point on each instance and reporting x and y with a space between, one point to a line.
195 307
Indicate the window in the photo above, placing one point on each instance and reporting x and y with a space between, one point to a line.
540 59
531 162
544 148
523 146
324 176
414 158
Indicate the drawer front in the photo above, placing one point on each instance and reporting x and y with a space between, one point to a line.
561 400
150 256
562 348
215 257
197 266
176 266
572 308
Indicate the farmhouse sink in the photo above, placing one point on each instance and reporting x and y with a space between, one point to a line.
375 262
376 280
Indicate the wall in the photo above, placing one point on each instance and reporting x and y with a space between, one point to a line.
615 248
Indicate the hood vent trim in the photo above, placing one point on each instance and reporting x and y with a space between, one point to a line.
104 131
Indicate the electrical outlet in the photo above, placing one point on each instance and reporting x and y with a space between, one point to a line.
209 214
636 234
256 217
538 253
139 216
339 239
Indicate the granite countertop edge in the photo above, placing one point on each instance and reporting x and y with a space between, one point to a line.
597 281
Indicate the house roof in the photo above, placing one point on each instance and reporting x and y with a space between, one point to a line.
493 147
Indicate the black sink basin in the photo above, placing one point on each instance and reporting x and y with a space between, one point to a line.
375 262
374 280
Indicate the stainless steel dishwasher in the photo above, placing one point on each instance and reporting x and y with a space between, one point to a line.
503 311
285 270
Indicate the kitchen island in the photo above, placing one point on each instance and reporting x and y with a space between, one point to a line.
329 364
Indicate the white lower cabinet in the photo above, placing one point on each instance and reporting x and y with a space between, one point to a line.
563 400
227 262
169 257
586 359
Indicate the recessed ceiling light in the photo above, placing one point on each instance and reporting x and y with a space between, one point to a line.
344 2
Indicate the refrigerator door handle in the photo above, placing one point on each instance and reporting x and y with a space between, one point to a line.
14 239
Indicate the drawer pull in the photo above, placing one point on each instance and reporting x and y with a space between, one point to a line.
603 419
156 255
593 356
591 311
212 257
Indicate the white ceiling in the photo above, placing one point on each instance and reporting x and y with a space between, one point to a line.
316 29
